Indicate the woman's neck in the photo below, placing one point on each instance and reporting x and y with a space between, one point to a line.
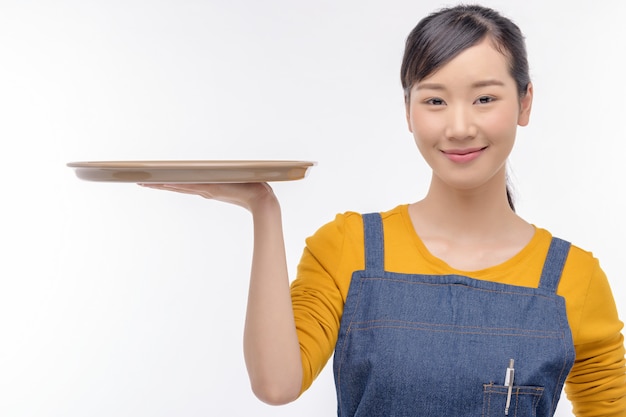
470 230
465 215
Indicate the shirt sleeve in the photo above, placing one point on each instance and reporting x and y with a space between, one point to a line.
318 294
596 385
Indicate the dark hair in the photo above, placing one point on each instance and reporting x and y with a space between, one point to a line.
444 34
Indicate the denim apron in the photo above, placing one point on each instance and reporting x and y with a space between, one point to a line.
445 345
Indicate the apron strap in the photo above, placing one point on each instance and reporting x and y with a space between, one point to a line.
374 242
553 266
375 253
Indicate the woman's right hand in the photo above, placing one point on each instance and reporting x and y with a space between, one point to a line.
246 195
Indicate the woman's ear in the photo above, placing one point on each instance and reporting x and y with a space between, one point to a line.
526 104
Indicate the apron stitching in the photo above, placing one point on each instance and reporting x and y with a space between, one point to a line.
408 323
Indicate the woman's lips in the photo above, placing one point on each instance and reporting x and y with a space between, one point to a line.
463 155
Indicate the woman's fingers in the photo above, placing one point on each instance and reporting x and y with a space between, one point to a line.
241 194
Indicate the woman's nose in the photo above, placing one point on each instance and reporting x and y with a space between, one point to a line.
460 124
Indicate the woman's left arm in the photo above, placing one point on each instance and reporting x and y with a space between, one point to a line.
596 385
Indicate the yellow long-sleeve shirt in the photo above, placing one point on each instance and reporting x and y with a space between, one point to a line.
596 385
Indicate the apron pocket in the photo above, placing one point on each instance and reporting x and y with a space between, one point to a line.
524 400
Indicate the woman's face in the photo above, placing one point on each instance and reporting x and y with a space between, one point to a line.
464 117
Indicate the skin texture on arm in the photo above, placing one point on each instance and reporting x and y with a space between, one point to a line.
271 347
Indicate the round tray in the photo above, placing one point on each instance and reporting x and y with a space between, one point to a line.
215 171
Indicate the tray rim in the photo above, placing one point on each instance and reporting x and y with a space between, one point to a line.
192 171
191 164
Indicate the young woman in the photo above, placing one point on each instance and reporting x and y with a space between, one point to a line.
453 305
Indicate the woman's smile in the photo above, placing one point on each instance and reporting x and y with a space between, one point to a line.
463 155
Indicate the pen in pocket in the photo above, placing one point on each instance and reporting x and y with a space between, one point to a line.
508 382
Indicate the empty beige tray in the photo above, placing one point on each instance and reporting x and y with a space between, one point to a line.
216 171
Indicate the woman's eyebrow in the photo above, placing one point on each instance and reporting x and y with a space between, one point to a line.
488 83
430 86
478 84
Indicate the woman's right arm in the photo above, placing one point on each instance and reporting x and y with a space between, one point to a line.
271 348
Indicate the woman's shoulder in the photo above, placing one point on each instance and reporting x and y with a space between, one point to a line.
591 307
582 274
345 234
578 257
350 223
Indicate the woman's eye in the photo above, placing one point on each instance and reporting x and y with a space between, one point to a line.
435 101
484 100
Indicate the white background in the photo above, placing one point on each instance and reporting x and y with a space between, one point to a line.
121 301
